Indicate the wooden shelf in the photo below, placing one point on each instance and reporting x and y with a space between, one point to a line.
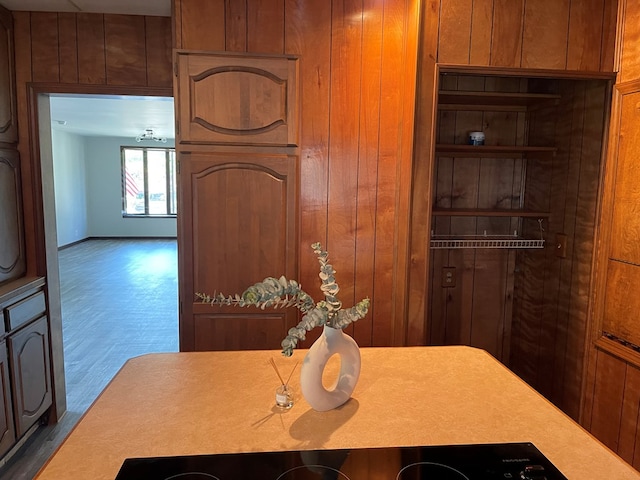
508 151
492 101
487 212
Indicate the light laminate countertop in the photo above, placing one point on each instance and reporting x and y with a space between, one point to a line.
223 402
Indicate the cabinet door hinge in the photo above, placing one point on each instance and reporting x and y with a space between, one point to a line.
175 68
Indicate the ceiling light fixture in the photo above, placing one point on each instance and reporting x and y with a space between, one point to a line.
148 135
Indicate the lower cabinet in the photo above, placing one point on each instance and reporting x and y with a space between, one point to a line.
26 391
7 429
31 379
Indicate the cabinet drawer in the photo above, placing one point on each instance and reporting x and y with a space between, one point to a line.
25 310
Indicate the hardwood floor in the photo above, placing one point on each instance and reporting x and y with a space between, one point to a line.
119 300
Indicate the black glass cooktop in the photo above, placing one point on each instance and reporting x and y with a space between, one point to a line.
521 461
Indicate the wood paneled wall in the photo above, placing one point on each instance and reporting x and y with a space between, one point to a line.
357 90
611 409
76 53
558 34
552 293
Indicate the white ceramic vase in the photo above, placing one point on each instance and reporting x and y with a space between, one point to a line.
333 341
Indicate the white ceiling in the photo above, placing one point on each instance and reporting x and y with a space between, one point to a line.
114 116
128 7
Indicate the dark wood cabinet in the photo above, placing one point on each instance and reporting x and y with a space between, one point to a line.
12 255
25 373
31 377
7 429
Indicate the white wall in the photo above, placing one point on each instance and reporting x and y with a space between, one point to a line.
88 190
104 193
70 187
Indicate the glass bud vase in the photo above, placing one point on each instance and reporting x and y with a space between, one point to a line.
332 341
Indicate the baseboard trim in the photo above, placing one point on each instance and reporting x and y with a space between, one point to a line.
73 244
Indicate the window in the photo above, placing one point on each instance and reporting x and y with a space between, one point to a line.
149 182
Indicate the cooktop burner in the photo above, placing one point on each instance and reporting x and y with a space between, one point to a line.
499 461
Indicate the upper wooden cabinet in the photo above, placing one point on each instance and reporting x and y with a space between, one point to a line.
237 99
12 256
8 124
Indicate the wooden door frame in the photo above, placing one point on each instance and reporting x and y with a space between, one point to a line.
44 217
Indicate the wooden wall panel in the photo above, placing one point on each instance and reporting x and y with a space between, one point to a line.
344 129
608 392
95 49
627 444
544 39
308 34
202 24
570 346
543 34
455 30
44 47
236 26
609 28
612 404
368 174
506 39
158 50
68 47
585 40
91 49
126 59
481 30
265 26
552 299
630 42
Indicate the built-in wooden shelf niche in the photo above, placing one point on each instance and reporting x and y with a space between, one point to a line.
536 177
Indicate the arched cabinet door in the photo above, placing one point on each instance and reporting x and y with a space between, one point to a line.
31 379
237 99
8 123
237 225
12 256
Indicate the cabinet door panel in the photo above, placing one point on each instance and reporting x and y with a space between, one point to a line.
7 430
238 226
8 125
241 100
31 382
12 260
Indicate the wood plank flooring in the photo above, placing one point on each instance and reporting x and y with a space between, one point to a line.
119 300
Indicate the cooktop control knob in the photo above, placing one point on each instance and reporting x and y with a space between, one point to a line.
533 472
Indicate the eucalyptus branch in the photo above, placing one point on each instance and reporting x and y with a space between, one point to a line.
284 293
